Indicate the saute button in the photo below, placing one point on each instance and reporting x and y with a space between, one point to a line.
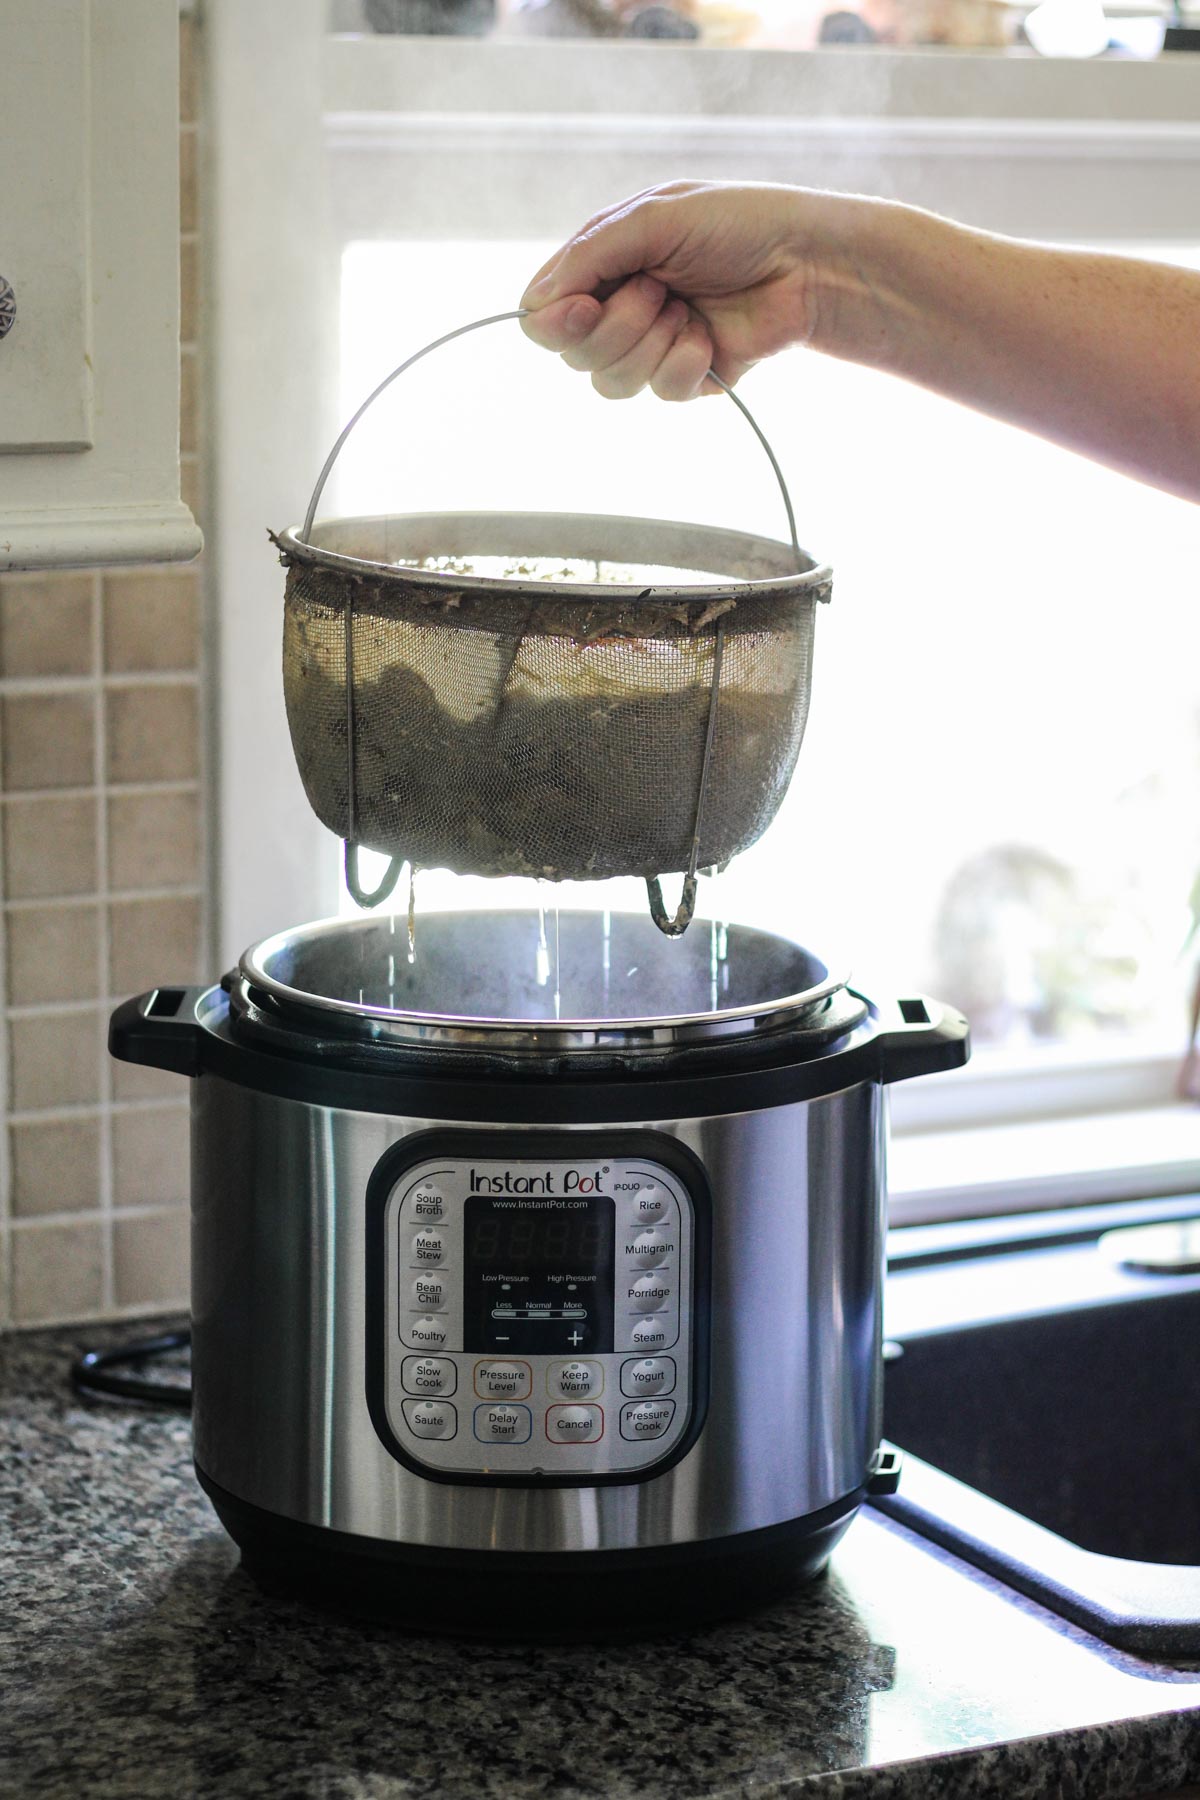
653 1333
574 1424
575 1380
428 1375
503 1424
652 1375
429 1333
650 1293
428 1247
431 1418
650 1204
649 1419
503 1380
429 1292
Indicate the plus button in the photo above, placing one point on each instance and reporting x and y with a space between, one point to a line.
575 1338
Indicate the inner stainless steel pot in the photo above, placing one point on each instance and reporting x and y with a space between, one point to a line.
568 981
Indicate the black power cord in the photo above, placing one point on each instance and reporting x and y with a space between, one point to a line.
90 1373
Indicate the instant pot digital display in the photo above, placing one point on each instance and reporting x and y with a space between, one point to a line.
538 1274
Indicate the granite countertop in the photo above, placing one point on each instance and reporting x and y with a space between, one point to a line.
140 1662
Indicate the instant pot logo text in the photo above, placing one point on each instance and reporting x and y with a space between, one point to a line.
554 1181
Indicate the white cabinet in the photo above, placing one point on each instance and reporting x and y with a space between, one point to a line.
89 249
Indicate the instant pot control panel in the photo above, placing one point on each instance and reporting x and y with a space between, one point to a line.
538 1305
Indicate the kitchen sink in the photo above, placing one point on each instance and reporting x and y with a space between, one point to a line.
1047 1400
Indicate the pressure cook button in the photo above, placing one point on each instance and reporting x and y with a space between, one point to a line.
503 1424
652 1375
649 1248
575 1380
428 1247
429 1292
652 1333
503 1380
650 1293
648 1419
574 1424
431 1418
651 1204
428 1375
427 1333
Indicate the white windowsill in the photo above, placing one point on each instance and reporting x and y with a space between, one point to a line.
987 1169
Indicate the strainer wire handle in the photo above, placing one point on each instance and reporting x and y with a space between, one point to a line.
497 319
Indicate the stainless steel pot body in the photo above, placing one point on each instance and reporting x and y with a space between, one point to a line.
279 1246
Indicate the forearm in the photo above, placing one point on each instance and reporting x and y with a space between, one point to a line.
1099 353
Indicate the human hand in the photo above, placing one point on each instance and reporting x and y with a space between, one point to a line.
686 277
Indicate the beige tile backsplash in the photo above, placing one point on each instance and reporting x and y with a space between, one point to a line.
104 876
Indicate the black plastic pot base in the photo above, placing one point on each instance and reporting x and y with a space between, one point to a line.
576 1597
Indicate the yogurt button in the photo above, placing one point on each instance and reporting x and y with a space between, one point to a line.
652 1375
431 1418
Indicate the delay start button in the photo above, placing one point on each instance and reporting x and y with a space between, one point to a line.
647 1419
574 1424
503 1424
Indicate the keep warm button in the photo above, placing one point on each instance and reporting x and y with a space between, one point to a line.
648 1419
503 1424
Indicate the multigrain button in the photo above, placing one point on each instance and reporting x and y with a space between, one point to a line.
503 1380
428 1247
428 1375
650 1375
649 1248
575 1380
652 1333
648 1419
427 1333
574 1424
431 1418
501 1424
429 1292
650 1293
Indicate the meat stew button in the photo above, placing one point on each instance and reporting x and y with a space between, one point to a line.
647 1419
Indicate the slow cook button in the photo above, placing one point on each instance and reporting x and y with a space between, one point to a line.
428 1375
426 1334
648 1419
431 1418
429 1293
651 1375
574 1424
575 1380
503 1424
654 1332
650 1293
428 1247
503 1380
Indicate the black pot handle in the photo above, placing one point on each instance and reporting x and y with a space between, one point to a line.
159 1029
919 1036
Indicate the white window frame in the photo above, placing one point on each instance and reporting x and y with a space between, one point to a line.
319 141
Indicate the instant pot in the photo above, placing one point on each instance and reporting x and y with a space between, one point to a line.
537 1270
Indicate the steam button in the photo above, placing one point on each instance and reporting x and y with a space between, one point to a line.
650 1375
428 1375
431 1418
654 1332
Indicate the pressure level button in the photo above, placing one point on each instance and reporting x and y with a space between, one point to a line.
503 1380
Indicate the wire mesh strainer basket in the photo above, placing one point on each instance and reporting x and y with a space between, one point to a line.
563 696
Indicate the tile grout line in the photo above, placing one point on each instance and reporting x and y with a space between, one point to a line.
44 903
107 1235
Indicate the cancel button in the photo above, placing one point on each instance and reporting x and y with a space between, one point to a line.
647 1419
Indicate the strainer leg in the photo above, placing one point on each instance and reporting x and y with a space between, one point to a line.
357 892
672 925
